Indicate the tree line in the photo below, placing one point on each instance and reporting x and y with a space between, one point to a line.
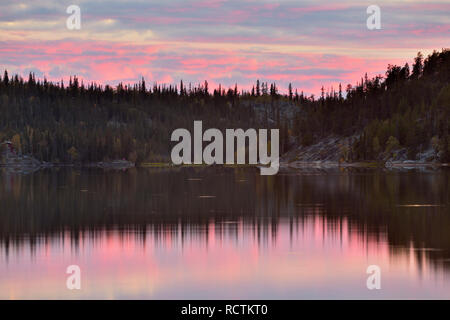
77 122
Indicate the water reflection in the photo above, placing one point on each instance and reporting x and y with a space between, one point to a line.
224 233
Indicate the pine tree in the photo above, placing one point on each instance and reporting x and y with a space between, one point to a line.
417 66
5 78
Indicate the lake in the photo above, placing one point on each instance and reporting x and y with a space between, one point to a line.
225 233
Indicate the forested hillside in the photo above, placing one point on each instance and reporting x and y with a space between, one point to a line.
408 108
86 123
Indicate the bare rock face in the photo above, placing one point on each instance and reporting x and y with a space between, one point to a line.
335 151
17 163
329 150
10 158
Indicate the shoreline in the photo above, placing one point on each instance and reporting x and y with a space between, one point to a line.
296 165
369 164
115 164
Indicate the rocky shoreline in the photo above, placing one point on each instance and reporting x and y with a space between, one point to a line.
28 163
321 156
335 151
408 164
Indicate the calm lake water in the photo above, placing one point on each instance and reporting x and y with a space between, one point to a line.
224 233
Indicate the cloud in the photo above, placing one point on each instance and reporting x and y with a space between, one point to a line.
309 43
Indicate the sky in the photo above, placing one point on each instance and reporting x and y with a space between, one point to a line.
306 43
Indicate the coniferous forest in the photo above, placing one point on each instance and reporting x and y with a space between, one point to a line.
76 122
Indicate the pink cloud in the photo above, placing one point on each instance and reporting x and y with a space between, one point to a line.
319 8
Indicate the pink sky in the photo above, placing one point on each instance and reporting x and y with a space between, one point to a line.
307 43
